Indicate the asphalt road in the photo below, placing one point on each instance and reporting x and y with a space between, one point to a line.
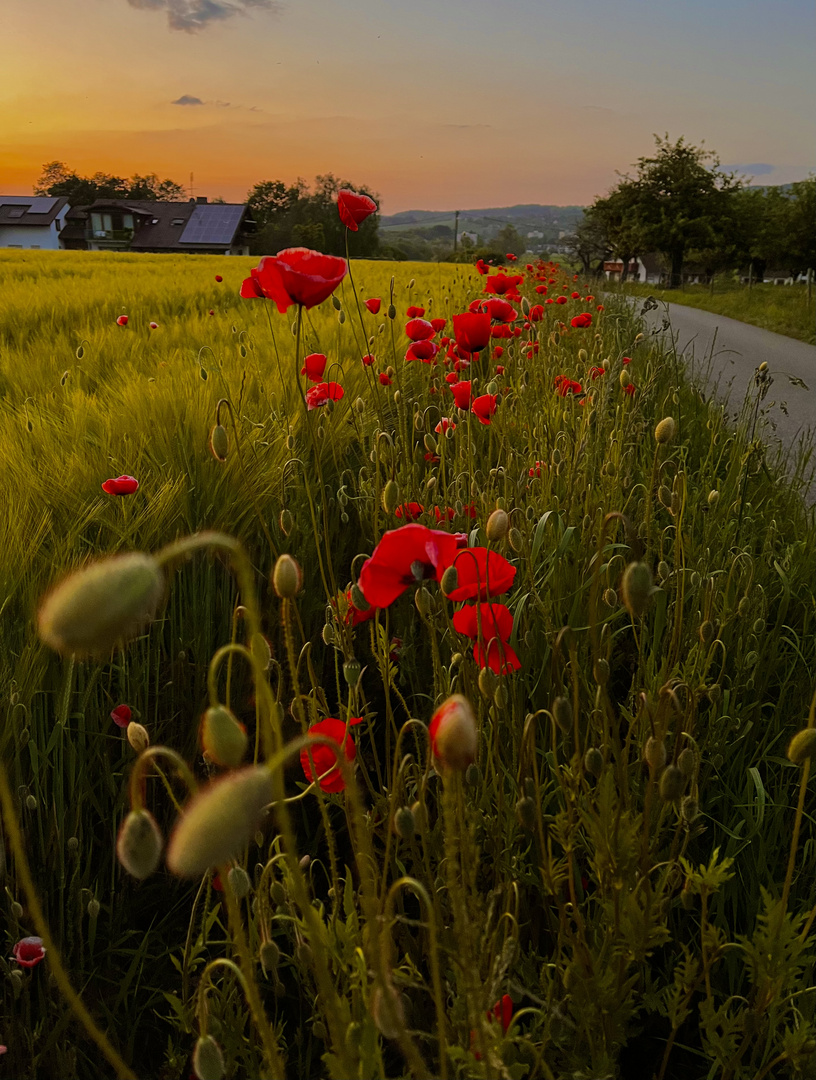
730 352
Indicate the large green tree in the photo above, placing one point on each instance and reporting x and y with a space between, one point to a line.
58 179
616 218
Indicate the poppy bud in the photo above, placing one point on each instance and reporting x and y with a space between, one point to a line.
208 1061
341 317
664 495
654 753
713 498
423 601
672 783
392 312
93 908
600 671
665 430
219 443
583 355
430 444
624 378
285 522
387 1011
269 955
690 809
525 812
450 581
488 683
137 737
686 762
594 762
390 496
359 406
290 442
277 893
454 737
287 577
217 822
562 714
352 669
238 881
515 540
261 650
497 525
404 823
223 739
663 570
17 910
610 598
706 632
802 746
358 599
139 844
102 605
336 303
636 587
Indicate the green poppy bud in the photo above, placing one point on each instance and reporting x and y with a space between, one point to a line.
139 844
802 746
594 762
665 430
636 588
404 823
390 496
285 522
238 881
654 753
672 784
219 443
223 738
287 577
562 714
208 1061
497 526
450 581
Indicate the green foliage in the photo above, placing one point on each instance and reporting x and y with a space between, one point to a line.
58 179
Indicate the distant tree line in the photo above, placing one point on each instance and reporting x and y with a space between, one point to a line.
681 204
58 179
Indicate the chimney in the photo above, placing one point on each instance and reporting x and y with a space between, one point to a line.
201 200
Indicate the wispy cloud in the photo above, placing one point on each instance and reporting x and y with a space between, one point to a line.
756 169
194 15
191 99
187 99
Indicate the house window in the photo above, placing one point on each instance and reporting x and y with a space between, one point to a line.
57 224
35 247
177 221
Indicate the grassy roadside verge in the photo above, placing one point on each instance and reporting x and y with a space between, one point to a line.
782 309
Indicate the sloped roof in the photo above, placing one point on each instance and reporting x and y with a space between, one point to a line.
37 209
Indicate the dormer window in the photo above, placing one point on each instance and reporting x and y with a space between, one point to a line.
177 221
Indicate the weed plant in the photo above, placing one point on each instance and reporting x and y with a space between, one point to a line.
620 883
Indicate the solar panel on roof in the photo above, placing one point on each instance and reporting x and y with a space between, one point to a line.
38 204
212 224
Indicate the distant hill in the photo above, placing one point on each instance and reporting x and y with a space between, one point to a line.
527 218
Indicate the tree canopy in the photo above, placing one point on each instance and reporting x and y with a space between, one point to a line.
58 179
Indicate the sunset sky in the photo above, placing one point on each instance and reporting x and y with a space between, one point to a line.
434 104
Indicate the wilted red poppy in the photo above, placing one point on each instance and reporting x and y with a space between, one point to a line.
120 485
481 575
354 208
403 558
409 511
121 715
295 276
445 425
419 330
322 392
414 312
439 324
367 360
218 277
471 330
122 320
580 321
484 407
323 767
313 366
28 952
422 350
373 305
461 394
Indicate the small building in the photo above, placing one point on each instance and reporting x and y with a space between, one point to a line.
32 221
647 269
140 225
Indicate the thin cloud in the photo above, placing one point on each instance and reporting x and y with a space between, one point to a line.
194 15
187 99
757 169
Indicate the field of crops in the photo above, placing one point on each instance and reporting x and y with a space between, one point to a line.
443 727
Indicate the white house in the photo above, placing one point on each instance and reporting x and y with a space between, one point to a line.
646 269
32 221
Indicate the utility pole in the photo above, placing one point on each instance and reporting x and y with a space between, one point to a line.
455 231
192 193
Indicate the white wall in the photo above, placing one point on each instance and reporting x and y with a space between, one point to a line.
29 236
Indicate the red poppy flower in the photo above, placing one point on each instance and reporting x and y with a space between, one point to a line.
445 425
439 324
295 276
589 298
580 321
452 377
218 277
629 389
564 386
482 266
535 470
503 1011
120 485
385 380
322 392
594 372
481 575
500 369
626 360
468 511
504 284
422 350
448 514
367 360
575 295
373 305
537 313
403 558
121 715
414 312
28 952
549 300
484 407
354 208
419 330
541 289
472 331
599 307
461 394
498 352
410 511
212 312
499 656
510 256
153 325
501 310
323 767
496 621
122 320
560 299
313 366
501 331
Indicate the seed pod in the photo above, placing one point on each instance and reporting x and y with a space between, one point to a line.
390 496
352 669
636 588
525 812
562 714
594 762
287 577
802 746
139 844
654 753
453 733
497 525
208 1061
238 881
672 784
336 303
222 737
137 736
219 443
217 822
450 581
101 606
665 430
404 823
